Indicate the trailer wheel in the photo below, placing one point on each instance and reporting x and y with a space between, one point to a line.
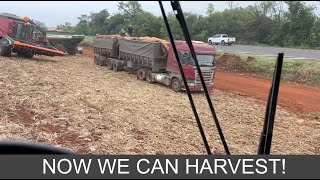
176 84
72 51
141 74
149 78
60 47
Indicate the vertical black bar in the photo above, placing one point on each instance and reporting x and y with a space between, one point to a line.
185 81
265 124
176 6
267 133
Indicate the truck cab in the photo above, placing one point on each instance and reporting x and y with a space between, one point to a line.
206 59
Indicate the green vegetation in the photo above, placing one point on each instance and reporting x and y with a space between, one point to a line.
293 70
87 42
314 115
265 23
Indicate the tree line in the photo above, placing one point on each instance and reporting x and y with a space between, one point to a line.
265 22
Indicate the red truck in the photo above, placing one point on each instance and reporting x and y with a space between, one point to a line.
154 60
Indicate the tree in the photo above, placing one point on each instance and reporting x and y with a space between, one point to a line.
298 22
130 9
65 27
210 9
82 27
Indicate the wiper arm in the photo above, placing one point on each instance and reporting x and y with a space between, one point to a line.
180 17
185 81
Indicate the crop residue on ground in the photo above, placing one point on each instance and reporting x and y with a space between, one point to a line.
73 103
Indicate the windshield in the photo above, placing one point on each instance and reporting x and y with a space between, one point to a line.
22 31
203 59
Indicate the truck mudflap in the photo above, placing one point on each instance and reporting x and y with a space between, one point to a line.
19 46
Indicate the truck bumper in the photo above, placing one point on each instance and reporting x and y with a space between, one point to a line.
198 88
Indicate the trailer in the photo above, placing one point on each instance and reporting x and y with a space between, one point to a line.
65 41
153 60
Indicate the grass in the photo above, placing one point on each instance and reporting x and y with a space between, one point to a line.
314 115
87 42
300 71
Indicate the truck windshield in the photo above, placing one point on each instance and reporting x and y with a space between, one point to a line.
203 59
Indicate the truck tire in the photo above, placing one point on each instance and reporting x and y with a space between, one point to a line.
5 51
210 42
115 67
149 77
60 47
223 43
141 75
72 51
229 44
176 84
110 66
95 60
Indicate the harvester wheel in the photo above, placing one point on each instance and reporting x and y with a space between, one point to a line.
141 75
60 47
176 84
25 54
5 51
149 77
28 55
72 51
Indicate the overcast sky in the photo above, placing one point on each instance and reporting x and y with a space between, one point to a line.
53 13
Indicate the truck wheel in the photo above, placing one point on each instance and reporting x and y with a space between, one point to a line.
149 77
229 44
115 67
176 84
95 60
141 75
72 51
60 47
5 51
210 42
223 43
110 65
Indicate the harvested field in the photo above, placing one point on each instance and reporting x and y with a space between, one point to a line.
72 103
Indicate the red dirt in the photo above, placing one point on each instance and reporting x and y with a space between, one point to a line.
27 117
296 97
87 51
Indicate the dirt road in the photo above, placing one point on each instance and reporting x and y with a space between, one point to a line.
299 98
